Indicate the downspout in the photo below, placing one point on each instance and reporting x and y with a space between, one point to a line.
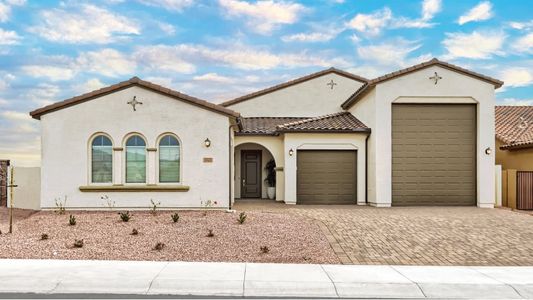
231 164
366 168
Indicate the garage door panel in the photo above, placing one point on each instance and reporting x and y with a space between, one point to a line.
433 154
326 177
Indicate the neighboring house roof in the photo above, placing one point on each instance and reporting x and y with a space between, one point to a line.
368 86
514 126
332 123
134 81
293 82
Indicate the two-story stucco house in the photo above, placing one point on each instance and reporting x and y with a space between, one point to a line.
419 136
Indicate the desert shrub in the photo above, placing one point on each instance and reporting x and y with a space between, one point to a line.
154 206
210 233
60 205
108 202
72 220
159 246
44 236
175 217
125 216
78 243
264 249
134 232
242 217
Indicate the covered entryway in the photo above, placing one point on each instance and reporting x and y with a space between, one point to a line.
326 177
251 178
433 154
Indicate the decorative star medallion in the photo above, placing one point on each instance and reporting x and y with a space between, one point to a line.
435 77
134 103
331 83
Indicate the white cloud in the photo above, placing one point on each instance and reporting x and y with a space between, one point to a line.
521 25
515 101
107 62
475 45
480 12
524 43
172 5
371 24
15 116
264 16
89 86
167 28
310 37
430 8
163 57
43 94
5 11
517 77
213 77
88 25
391 53
8 37
52 72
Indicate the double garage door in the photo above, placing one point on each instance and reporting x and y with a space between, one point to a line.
433 154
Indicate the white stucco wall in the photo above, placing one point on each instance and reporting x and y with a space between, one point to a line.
320 141
65 149
27 193
452 88
307 99
266 156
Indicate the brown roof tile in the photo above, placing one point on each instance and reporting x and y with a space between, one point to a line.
134 81
337 122
372 83
293 82
264 125
514 126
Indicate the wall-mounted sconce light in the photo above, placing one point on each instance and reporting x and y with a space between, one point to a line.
488 151
207 142
291 152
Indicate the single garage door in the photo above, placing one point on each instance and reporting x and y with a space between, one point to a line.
326 177
433 154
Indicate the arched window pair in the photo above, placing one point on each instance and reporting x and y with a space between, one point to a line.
102 159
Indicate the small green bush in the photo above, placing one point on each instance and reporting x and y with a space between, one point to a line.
154 206
159 246
264 249
125 216
242 217
78 243
44 236
175 217
134 232
72 220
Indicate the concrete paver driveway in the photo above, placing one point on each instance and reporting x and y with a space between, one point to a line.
419 235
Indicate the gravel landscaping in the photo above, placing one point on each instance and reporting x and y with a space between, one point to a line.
264 237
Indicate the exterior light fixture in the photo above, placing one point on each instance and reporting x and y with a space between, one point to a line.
207 142
291 152
488 151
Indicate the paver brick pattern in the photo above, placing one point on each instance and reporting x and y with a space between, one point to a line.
419 235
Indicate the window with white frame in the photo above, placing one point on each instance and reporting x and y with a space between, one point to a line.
135 160
169 159
101 160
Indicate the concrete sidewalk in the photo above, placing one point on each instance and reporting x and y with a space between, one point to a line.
263 280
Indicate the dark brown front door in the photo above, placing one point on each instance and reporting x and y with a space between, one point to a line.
250 174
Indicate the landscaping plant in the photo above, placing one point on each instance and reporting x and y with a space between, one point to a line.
60 206
78 243
210 233
134 232
242 217
154 206
125 216
175 217
108 202
264 249
44 236
208 205
72 220
159 246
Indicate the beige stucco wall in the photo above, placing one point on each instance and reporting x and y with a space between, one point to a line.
65 149
307 99
266 156
320 141
520 159
417 87
27 193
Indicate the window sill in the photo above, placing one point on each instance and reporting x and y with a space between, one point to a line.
134 188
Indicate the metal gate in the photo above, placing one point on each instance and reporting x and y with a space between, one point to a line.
524 189
4 164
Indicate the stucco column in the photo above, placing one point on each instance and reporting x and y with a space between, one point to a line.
280 184
117 165
151 167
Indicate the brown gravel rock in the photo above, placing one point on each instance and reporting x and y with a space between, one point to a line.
289 238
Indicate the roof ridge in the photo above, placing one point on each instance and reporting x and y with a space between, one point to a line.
312 119
293 82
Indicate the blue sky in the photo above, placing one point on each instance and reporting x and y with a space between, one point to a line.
220 49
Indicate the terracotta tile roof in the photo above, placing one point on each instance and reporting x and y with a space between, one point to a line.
514 126
134 81
337 122
264 125
293 82
372 83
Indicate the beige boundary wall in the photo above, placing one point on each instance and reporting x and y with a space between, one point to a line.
27 193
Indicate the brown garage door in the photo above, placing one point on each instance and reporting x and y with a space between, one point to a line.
433 154
326 177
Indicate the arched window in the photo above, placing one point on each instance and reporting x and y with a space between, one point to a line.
101 160
135 160
169 159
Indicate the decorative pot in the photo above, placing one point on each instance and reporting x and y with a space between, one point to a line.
271 192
